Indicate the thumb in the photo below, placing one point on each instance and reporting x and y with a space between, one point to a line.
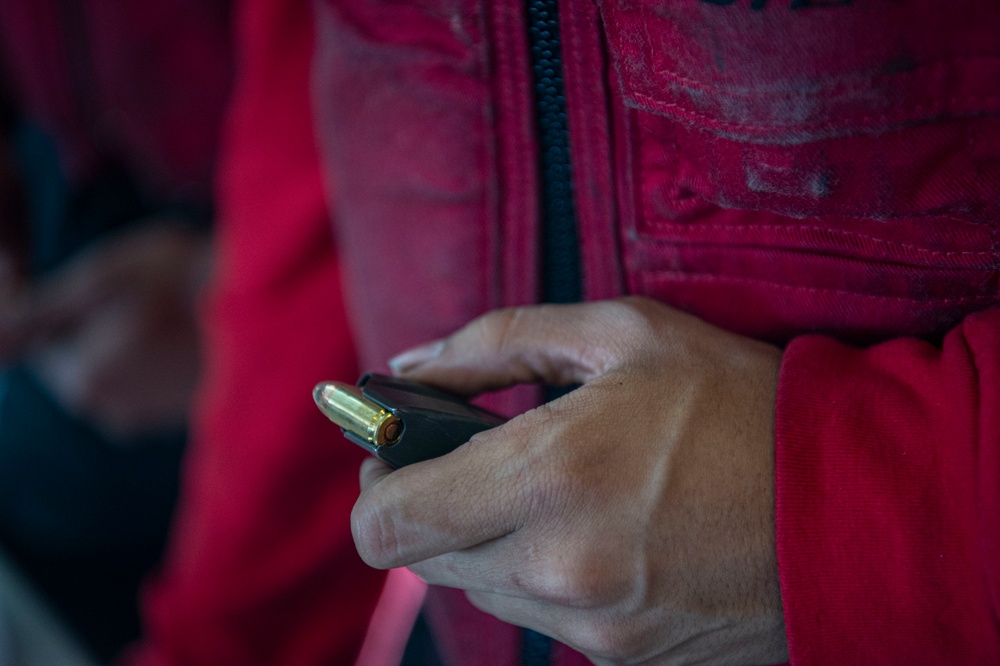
551 344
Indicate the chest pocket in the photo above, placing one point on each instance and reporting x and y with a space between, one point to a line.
841 153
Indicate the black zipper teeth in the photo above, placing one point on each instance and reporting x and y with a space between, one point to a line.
561 282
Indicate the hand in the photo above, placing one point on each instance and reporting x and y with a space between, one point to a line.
632 519
113 334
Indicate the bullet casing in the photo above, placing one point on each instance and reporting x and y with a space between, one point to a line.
347 407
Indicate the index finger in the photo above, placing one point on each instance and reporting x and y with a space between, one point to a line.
467 497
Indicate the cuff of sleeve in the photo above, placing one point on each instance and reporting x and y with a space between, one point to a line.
876 518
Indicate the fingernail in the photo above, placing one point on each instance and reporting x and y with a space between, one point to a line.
413 358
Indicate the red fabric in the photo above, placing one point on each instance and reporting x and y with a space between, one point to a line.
888 508
144 83
262 568
780 169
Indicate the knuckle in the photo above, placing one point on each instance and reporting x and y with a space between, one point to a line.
606 639
628 324
636 314
496 328
572 576
374 535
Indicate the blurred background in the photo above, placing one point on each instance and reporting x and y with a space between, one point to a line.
110 114
169 295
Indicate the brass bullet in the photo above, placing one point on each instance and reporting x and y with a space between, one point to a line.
347 407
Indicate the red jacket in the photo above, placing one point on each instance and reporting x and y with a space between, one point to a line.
141 83
781 169
823 175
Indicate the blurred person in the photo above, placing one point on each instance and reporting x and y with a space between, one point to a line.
110 124
261 567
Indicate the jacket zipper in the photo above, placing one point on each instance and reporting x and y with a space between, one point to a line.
561 279
561 273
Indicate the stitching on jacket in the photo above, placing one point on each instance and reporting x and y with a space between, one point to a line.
898 115
859 82
653 277
841 232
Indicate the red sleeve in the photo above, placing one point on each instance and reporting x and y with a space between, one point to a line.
888 509
262 568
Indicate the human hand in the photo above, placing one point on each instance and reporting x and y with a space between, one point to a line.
113 334
632 519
